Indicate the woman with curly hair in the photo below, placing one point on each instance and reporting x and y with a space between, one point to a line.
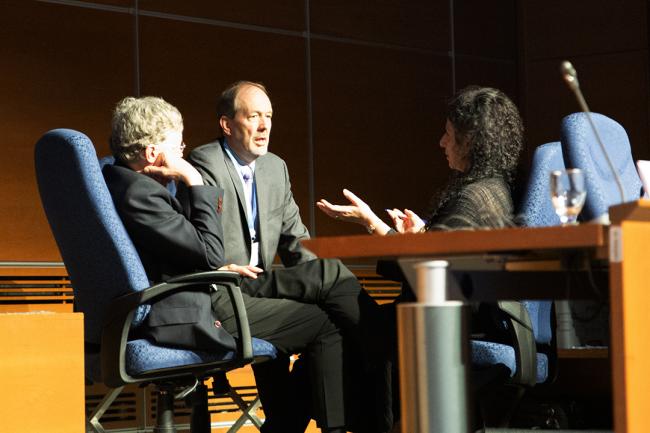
482 141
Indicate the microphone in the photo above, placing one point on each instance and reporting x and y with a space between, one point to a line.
570 77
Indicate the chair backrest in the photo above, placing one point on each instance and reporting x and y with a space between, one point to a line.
536 208
581 150
98 254
106 160
540 317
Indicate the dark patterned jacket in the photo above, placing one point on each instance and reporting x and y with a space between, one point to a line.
486 203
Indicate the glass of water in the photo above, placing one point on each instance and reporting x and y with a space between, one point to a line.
568 194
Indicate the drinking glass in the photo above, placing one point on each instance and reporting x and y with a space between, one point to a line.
568 194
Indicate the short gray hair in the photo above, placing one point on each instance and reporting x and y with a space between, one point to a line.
140 122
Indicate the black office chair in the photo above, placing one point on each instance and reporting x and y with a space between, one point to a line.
112 291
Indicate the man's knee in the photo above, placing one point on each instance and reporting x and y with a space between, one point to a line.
336 273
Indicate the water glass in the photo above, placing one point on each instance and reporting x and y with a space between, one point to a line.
568 194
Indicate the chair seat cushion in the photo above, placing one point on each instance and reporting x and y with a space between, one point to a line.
143 356
487 353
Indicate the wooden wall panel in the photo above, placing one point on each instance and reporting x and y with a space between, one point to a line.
378 118
614 85
486 29
501 74
608 44
63 72
380 75
280 14
409 23
559 28
94 3
193 78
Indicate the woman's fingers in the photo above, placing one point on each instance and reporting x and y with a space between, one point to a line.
353 198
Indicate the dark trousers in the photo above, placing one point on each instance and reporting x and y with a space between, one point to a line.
304 309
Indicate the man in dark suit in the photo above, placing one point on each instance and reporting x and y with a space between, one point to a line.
174 236
261 225
262 219
245 113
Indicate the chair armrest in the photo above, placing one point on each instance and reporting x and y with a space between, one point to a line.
208 277
120 314
521 330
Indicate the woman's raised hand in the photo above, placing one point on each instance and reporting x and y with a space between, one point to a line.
357 211
405 222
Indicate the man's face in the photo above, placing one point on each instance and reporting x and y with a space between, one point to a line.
249 132
173 144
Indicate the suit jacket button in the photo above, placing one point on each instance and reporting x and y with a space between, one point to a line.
217 324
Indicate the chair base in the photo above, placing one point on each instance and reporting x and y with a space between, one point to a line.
221 387
198 401
499 404
93 419
518 430
165 409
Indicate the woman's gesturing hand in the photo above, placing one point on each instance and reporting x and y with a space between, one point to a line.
357 211
405 222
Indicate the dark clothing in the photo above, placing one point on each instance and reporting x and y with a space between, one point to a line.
174 238
280 226
169 241
483 204
486 203
280 232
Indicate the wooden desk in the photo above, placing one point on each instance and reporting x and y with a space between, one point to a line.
629 267
41 372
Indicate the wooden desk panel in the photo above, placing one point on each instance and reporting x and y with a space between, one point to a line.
630 309
431 244
41 373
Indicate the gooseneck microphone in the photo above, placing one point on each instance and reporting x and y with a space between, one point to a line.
570 77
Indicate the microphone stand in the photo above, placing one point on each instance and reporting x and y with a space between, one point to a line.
571 78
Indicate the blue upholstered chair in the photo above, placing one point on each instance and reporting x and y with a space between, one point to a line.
531 358
581 150
111 288
535 208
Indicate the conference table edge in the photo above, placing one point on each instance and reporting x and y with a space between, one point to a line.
461 242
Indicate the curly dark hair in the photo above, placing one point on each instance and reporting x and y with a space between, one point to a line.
488 122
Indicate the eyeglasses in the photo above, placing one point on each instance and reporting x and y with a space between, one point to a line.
180 147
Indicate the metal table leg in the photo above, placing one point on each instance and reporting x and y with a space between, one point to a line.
433 357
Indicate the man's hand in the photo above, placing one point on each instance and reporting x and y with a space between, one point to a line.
167 168
246 271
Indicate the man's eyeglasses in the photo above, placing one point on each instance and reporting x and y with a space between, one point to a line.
180 147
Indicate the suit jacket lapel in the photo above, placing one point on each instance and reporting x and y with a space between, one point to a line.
262 183
236 181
